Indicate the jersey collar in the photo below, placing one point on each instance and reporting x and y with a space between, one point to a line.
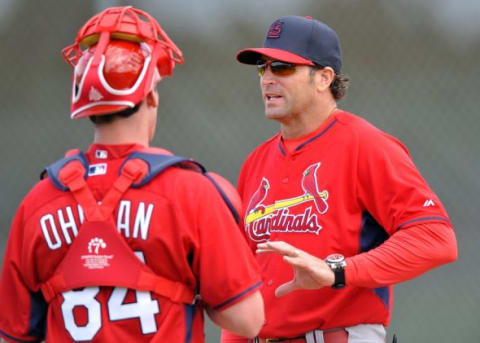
112 151
309 138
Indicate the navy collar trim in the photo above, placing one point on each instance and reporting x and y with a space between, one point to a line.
316 136
284 153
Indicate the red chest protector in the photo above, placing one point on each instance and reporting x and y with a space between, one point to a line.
99 255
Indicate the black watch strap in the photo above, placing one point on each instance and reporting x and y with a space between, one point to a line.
337 264
339 278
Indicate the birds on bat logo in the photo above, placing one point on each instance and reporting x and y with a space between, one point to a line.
261 219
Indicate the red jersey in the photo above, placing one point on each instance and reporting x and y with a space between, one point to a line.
178 224
344 190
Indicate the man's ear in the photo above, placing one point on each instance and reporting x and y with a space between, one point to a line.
324 78
152 98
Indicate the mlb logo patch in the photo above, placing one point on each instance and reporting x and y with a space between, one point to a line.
97 169
101 154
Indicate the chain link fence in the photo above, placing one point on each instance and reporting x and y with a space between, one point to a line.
413 67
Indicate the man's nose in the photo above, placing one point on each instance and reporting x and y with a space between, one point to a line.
268 77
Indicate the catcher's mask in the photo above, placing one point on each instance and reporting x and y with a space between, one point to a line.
126 53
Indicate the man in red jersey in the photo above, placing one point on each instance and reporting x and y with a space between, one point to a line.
175 248
333 196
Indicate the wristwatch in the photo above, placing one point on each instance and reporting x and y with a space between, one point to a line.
337 264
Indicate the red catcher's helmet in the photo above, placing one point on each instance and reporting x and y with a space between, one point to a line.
126 54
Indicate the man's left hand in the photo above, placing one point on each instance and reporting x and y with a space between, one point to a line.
310 271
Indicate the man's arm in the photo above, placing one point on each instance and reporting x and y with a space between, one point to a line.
244 318
405 255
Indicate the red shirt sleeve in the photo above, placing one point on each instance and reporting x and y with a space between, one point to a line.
391 188
406 254
23 312
228 270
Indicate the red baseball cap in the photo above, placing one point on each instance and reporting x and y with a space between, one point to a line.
299 40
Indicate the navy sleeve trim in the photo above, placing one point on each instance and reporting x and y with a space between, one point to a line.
225 198
258 284
16 339
281 149
424 219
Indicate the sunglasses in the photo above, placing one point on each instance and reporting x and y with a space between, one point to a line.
277 67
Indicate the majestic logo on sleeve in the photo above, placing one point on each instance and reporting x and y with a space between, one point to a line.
261 219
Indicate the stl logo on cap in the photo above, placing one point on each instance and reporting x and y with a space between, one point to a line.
275 29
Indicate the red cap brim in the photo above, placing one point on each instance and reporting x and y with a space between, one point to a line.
252 55
99 110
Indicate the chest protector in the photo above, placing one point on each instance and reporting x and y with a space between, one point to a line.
99 255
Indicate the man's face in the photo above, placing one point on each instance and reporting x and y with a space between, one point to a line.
287 96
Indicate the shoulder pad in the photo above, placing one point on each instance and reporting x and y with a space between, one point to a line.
53 169
157 163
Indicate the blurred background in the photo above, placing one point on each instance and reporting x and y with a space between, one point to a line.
414 73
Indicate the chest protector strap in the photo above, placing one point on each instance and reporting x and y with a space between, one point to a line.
99 255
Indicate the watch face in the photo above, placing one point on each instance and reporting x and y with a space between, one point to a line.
335 258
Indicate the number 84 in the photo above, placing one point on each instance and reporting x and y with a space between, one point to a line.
145 309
